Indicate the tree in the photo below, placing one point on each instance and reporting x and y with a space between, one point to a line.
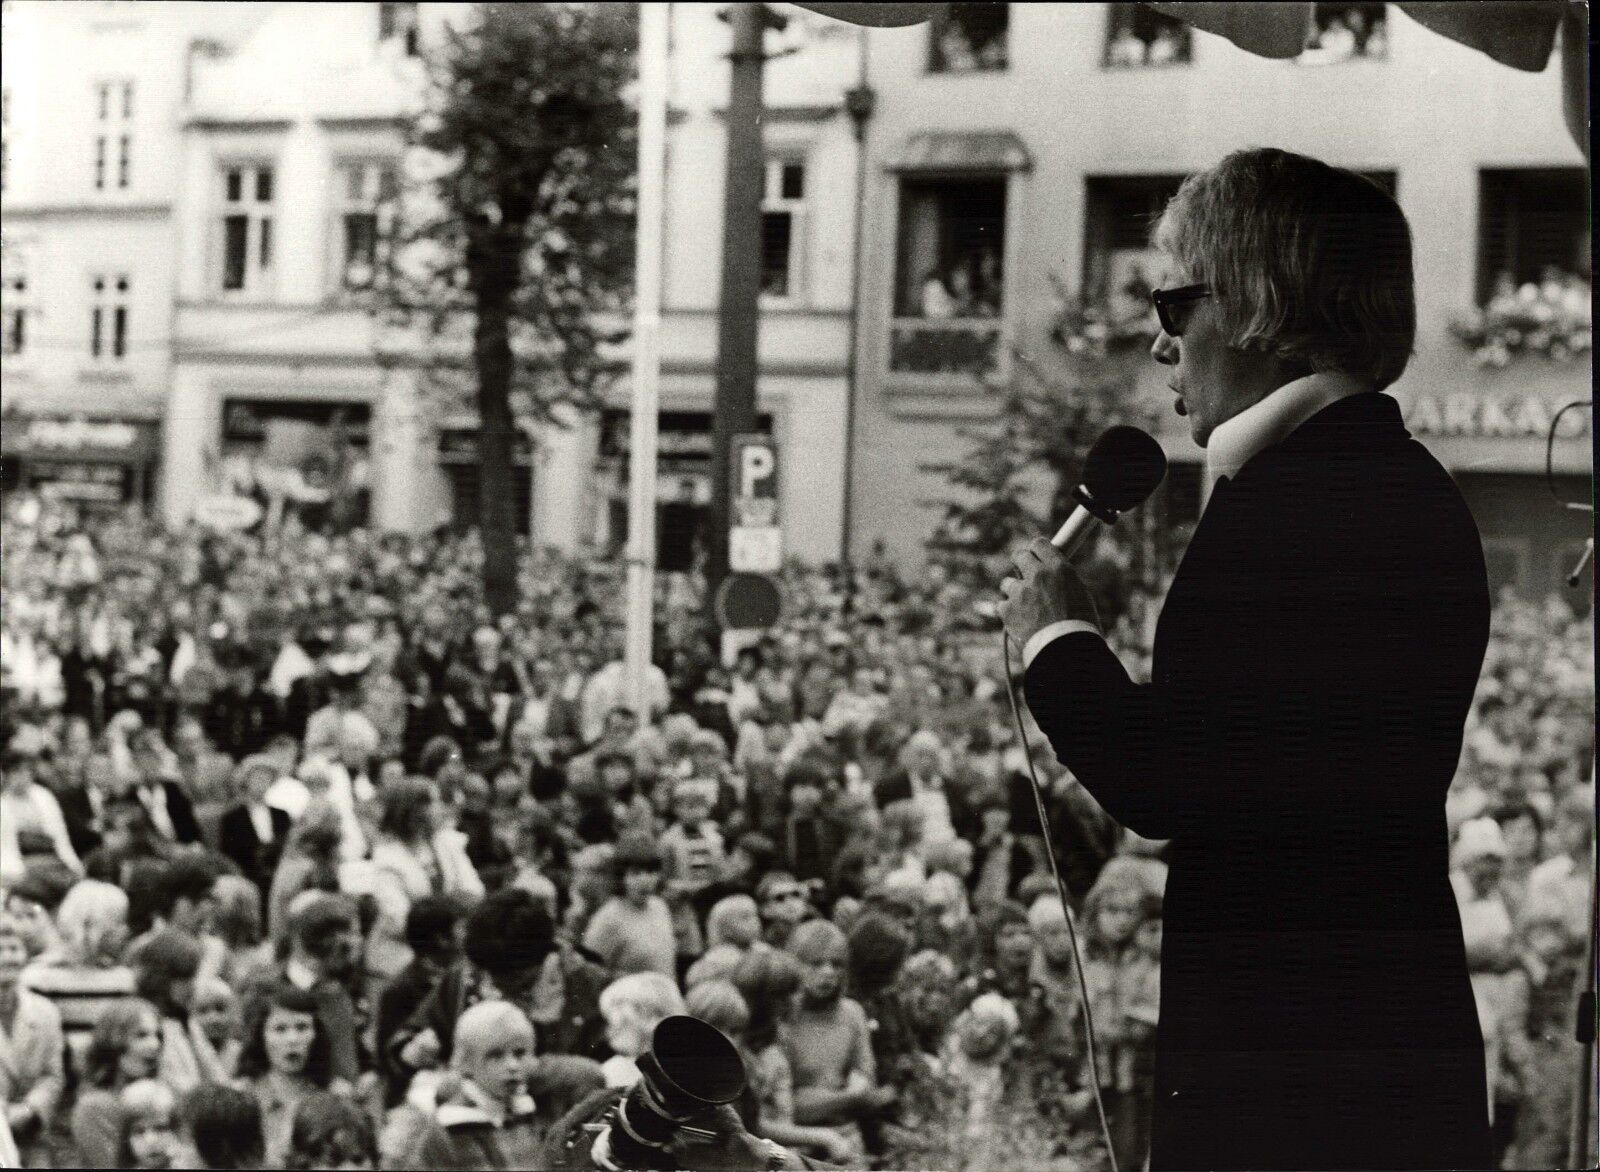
1043 428
512 256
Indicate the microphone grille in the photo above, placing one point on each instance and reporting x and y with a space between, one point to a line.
1124 467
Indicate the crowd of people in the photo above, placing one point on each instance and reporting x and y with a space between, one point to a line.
308 860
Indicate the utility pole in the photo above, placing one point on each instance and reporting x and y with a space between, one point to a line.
859 102
738 315
653 39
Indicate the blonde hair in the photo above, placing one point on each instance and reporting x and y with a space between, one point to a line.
486 1019
1308 262
652 996
147 1098
91 912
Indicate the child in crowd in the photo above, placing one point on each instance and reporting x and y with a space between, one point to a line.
732 929
490 1121
1121 900
149 1126
633 1006
632 932
980 1044
827 1039
692 854
331 1132
224 1129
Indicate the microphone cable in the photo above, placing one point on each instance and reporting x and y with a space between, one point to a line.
1066 904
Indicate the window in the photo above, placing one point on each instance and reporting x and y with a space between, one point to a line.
949 288
246 227
366 192
969 38
113 140
1138 37
17 304
108 317
1120 267
398 23
782 227
1533 229
1344 32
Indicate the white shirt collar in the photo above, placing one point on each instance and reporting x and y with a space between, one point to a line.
1261 425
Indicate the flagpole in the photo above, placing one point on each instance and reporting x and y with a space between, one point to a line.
653 29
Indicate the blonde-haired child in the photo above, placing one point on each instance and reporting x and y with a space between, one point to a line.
633 1006
149 1125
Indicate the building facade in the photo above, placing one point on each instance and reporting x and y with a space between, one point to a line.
194 194
89 95
1020 152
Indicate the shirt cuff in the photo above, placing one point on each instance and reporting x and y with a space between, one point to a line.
1049 634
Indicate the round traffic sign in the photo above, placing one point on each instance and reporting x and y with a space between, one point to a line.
746 601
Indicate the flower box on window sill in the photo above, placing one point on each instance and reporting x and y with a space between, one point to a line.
949 350
1552 322
1094 330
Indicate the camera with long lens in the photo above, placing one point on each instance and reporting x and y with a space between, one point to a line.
690 1067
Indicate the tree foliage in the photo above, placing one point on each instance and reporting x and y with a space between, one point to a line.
512 257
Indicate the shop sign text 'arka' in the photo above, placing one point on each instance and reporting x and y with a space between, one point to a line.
1517 417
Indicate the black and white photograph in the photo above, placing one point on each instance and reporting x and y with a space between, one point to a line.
735 586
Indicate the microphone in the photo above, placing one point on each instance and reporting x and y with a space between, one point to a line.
1123 469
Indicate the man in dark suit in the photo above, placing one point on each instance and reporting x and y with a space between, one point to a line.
170 809
1313 665
251 832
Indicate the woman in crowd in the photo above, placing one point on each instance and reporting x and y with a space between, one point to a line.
284 1060
125 1049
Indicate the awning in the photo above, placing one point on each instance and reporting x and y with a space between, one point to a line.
988 151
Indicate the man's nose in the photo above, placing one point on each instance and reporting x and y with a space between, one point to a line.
1165 349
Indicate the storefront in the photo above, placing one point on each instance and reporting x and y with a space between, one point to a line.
683 483
1534 522
95 463
306 458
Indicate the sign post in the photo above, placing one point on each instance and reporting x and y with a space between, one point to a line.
755 540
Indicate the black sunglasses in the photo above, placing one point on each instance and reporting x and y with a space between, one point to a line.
1165 300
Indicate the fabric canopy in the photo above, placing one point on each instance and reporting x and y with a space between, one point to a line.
984 151
1516 33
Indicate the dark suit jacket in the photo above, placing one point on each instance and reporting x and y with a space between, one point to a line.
181 810
1314 663
80 818
237 839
